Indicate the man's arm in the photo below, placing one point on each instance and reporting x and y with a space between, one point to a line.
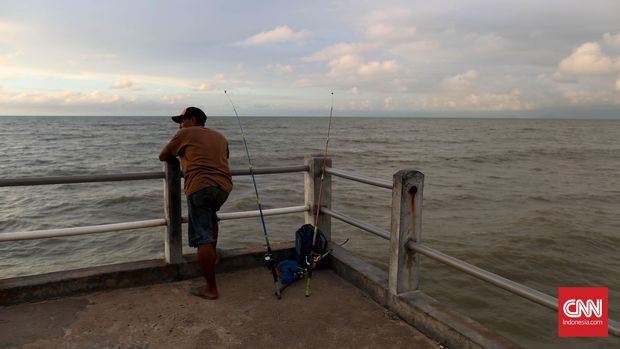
165 154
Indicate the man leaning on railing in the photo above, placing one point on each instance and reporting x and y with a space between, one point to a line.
204 160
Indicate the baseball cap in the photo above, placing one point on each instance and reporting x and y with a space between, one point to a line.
189 112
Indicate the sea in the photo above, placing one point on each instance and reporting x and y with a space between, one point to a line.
533 200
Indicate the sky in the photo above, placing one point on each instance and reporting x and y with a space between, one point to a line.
525 58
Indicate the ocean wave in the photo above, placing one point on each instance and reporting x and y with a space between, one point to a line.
121 199
539 198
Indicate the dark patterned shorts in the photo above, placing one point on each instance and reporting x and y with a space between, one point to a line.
202 207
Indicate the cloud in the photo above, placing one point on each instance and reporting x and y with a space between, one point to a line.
278 35
389 103
8 31
172 99
587 96
305 82
203 87
280 69
485 101
396 15
72 62
612 40
461 81
125 84
66 98
351 66
393 30
594 73
586 60
486 43
376 68
390 33
344 65
101 78
92 97
365 104
223 80
423 50
339 50
8 27
122 84
8 58
391 53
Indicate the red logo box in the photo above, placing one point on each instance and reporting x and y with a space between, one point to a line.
582 312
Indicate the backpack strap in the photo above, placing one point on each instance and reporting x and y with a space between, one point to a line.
324 245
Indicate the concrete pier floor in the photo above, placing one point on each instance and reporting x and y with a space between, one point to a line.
247 315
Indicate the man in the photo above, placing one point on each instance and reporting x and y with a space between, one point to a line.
204 160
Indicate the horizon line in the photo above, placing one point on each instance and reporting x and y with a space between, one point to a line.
598 117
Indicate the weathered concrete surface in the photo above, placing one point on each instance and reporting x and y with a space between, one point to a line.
141 273
337 315
419 310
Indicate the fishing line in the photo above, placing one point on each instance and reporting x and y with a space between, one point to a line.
268 258
315 258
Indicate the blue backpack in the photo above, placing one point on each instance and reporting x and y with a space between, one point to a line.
289 271
304 248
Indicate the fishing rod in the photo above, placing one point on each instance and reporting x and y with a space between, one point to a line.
315 258
268 257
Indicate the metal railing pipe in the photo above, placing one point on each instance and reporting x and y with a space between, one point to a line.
357 223
267 212
270 170
613 327
104 228
30 181
499 281
93 229
359 178
13 182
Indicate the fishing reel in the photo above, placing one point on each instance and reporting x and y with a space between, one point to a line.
300 273
269 260
312 260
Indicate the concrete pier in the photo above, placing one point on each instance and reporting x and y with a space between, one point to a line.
146 305
248 315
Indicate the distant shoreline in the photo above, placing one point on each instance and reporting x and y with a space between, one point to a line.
424 117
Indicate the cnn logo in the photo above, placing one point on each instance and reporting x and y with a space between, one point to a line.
577 308
582 311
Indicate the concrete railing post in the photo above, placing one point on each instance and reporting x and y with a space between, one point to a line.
406 225
312 185
172 207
